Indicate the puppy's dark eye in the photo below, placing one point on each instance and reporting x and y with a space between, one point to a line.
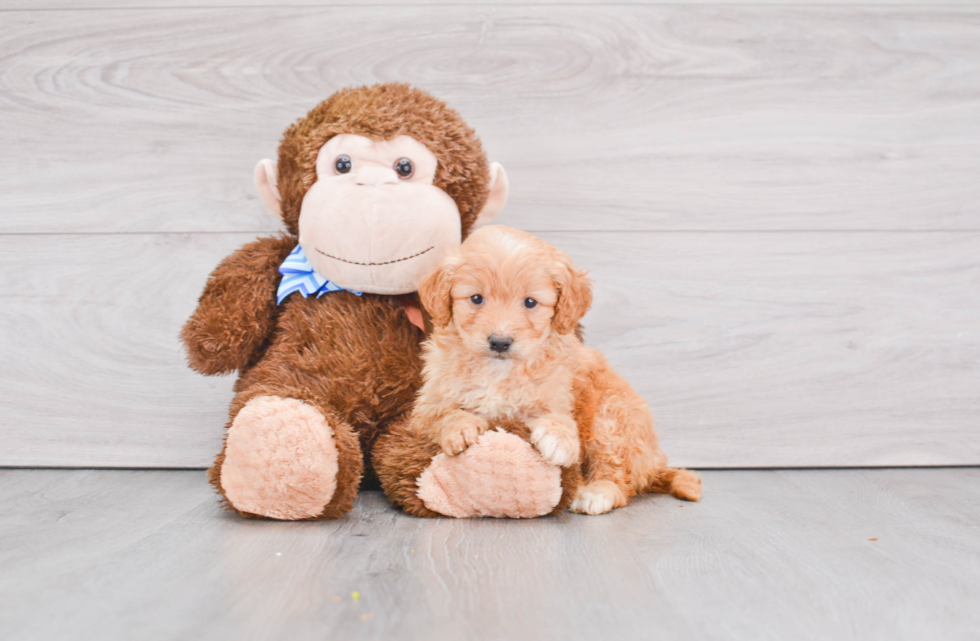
476 299
530 303
342 165
404 168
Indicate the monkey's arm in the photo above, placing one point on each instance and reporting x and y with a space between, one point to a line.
238 310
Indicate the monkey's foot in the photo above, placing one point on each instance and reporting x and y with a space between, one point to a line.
280 460
501 475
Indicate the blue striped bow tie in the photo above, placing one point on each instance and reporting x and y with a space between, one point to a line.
298 276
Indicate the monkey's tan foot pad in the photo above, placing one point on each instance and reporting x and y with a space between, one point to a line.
501 475
280 460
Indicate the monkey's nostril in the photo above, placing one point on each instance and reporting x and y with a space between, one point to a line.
500 344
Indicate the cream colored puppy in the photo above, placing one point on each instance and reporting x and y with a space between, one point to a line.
505 308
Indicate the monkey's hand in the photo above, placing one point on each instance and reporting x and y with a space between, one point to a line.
556 437
457 430
238 309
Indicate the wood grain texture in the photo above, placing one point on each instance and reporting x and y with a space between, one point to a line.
819 554
820 349
779 204
754 349
76 5
92 369
607 117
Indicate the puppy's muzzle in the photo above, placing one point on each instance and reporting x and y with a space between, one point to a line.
500 344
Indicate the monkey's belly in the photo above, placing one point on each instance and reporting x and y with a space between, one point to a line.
358 354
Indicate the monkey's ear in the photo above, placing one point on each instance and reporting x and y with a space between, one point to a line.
435 292
266 177
574 296
497 197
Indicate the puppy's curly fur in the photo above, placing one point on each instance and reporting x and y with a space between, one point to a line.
504 311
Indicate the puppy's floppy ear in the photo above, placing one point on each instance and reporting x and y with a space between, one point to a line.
574 295
435 292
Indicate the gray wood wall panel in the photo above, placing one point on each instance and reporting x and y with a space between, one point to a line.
91 369
754 349
779 203
608 117
29 5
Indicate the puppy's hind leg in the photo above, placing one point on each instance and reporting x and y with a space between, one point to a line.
606 461
607 483
598 497
622 456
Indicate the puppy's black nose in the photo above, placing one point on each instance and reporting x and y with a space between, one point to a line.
500 345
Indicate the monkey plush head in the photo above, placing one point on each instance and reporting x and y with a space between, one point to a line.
379 183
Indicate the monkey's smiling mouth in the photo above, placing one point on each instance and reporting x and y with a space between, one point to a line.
387 262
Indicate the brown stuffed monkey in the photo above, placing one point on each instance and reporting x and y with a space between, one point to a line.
375 185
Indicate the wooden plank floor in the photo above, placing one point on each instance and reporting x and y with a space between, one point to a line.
807 554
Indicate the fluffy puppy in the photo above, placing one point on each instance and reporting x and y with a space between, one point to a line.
505 309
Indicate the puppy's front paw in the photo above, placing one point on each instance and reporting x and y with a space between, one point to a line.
462 432
597 497
556 441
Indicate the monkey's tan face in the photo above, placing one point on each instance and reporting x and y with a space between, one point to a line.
373 221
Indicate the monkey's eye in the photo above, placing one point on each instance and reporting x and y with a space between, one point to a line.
476 299
530 303
342 165
404 168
